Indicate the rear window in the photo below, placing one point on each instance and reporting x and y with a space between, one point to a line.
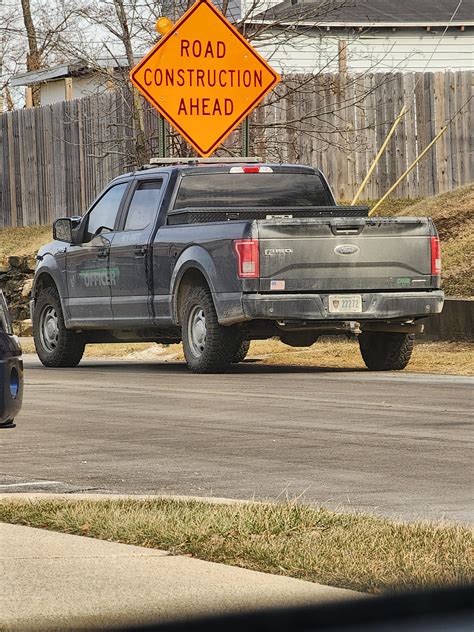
252 189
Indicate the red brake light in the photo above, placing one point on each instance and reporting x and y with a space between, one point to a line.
435 256
248 258
251 169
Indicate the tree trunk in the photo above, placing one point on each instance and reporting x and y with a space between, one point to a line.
33 57
141 146
9 99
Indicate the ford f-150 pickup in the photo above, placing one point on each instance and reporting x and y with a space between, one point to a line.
218 254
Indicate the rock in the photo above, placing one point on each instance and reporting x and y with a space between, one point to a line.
26 289
25 327
22 263
16 284
15 261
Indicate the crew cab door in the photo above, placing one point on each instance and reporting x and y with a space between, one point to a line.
88 275
130 254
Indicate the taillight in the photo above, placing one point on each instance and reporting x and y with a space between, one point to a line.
248 258
435 256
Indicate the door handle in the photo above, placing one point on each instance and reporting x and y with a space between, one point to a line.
103 253
140 252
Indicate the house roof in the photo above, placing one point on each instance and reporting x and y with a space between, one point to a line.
366 13
61 71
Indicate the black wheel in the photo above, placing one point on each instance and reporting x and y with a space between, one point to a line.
241 352
55 345
384 351
208 346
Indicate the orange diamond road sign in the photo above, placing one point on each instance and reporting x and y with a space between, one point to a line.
204 77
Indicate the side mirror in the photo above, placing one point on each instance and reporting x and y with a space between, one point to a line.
64 229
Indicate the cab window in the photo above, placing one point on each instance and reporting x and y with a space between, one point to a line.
144 205
104 213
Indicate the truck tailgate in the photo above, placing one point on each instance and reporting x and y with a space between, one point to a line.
345 254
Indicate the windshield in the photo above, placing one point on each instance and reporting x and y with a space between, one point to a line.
252 189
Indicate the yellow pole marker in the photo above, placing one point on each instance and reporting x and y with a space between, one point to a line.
410 169
163 25
403 111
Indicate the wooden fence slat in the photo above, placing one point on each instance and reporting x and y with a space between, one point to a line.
410 130
400 136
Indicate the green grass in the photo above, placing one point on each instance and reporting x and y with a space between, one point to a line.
356 551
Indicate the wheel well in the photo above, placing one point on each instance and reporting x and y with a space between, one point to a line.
191 278
44 280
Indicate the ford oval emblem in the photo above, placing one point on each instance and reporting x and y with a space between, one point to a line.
346 249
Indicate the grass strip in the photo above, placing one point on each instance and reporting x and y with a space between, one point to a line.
350 550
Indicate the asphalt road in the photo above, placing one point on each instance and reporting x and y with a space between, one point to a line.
399 444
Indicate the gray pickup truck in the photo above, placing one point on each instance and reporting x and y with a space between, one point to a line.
215 255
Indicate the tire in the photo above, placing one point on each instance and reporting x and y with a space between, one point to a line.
55 345
241 352
383 351
208 347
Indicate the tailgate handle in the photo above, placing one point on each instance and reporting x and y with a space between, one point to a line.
347 229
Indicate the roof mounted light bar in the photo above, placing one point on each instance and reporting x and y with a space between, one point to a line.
192 160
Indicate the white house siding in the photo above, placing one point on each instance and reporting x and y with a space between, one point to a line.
54 91
403 50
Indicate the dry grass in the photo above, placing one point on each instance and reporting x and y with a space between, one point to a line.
24 240
450 358
356 551
131 350
449 210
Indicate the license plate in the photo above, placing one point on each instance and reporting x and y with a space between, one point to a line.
345 303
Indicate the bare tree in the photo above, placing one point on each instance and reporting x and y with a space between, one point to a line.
30 33
11 52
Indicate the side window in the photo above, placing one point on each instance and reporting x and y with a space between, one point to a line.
144 205
105 211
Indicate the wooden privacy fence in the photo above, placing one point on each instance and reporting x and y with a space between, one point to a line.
57 158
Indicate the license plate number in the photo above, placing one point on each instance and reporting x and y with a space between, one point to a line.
345 303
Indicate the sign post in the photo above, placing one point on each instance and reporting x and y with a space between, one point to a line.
246 136
203 77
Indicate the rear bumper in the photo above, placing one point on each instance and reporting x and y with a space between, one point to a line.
376 306
11 377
